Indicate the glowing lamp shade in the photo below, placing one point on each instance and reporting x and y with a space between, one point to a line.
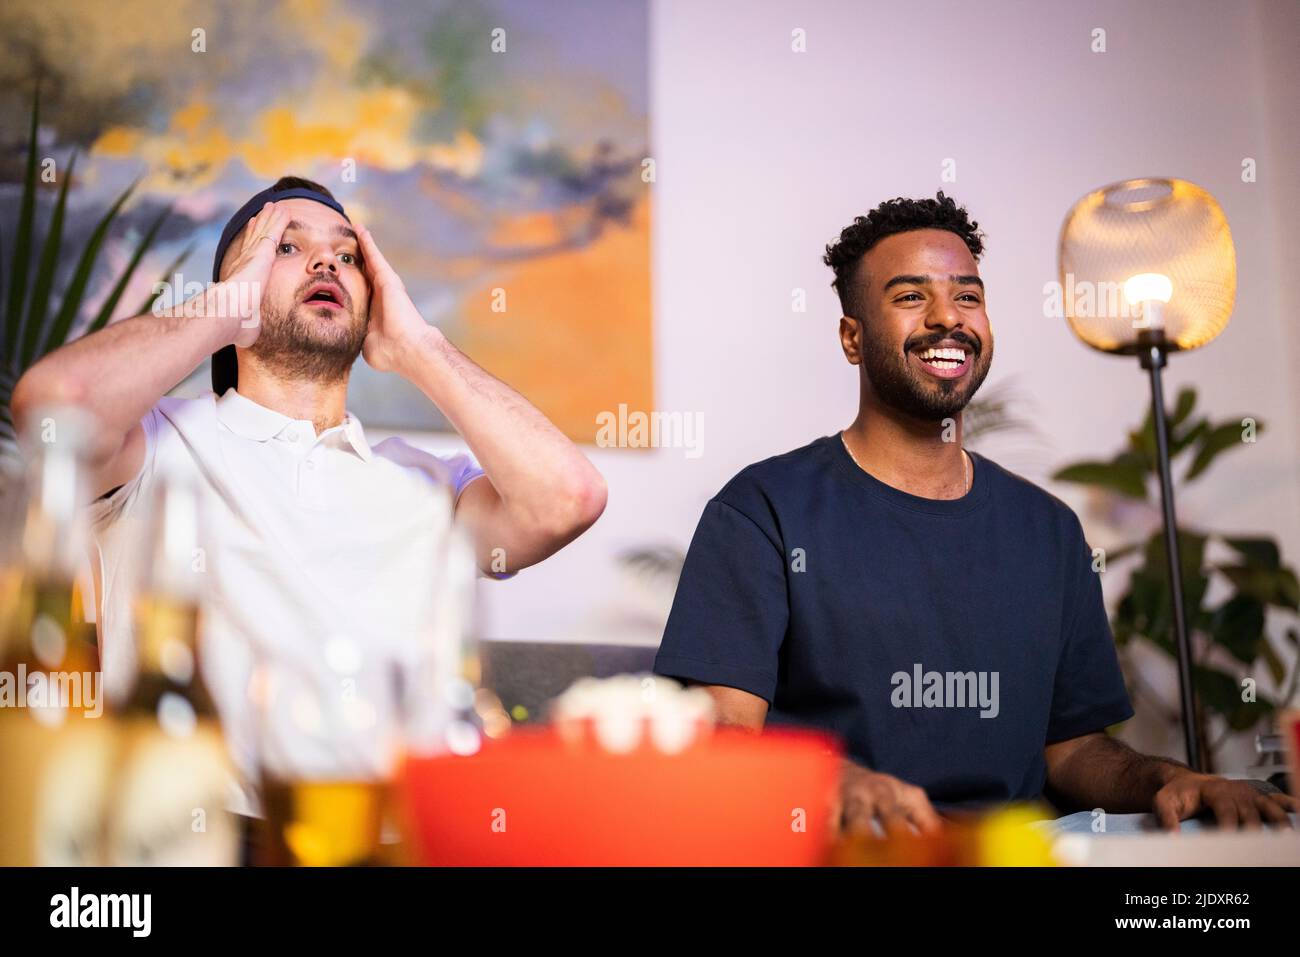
1147 259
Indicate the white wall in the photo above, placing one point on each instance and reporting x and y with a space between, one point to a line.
764 154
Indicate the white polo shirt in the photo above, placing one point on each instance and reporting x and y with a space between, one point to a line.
317 559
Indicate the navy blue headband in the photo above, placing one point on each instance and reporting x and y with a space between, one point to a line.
225 366
253 207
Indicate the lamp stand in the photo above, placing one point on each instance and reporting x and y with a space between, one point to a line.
1153 354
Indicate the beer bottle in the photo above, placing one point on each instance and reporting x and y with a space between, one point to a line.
175 777
44 634
55 749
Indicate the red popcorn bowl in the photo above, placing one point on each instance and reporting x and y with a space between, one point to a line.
532 799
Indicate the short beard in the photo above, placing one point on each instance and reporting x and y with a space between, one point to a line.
904 389
299 346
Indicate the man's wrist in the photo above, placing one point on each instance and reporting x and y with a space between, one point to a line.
415 350
221 308
1167 771
224 330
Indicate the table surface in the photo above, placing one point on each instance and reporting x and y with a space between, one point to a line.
1135 840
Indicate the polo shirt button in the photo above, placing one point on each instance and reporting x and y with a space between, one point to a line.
311 465
292 434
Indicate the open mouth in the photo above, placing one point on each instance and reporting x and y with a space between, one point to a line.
324 294
944 361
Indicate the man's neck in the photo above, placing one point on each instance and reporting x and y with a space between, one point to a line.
324 404
909 454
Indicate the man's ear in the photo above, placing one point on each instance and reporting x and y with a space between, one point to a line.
851 339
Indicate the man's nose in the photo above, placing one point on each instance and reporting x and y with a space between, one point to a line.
943 314
322 260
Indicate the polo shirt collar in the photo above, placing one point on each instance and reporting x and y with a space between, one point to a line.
250 420
356 436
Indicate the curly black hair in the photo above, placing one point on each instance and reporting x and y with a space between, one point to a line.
895 216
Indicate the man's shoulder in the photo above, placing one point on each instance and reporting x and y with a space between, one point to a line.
1026 496
182 411
764 483
453 470
174 427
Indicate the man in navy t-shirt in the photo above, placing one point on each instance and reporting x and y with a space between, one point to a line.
938 613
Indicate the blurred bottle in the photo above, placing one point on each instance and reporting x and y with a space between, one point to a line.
175 776
55 749
45 624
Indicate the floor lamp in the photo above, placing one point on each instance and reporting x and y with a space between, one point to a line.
1148 269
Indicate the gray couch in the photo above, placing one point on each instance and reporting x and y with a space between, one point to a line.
531 673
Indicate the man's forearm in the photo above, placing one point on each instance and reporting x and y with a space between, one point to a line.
543 479
1104 772
121 371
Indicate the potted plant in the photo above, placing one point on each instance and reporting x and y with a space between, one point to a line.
1230 638
34 320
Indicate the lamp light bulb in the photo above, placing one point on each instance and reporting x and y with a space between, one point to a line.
1146 286
1149 291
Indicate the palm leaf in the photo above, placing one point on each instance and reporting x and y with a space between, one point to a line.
5 353
147 305
76 290
8 431
27 338
22 241
110 304
34 327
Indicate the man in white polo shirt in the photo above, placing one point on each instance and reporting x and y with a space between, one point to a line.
319 542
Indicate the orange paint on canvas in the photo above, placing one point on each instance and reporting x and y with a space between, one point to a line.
575 337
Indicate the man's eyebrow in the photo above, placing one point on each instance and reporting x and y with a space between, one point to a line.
338 229
913 280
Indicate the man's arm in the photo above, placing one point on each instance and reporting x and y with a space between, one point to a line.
541 491
1096 770
737 709
121 371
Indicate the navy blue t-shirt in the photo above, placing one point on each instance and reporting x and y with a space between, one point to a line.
946 642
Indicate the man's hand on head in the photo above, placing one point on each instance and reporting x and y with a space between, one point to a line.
1234 804
245 281
394 320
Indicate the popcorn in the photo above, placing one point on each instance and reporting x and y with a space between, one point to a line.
620 711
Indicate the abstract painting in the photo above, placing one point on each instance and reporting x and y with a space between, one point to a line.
499 152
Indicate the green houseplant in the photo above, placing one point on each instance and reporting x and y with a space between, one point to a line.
1231 642
31 325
